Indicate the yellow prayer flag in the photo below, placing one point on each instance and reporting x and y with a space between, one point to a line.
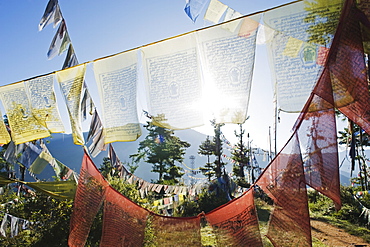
25 127
56 189
156 203
5 180
70 82
4 134
292 47
181 197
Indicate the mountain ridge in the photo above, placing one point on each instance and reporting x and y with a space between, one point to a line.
62 148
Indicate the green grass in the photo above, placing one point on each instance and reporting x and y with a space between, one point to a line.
322 210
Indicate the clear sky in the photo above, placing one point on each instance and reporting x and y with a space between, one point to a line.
99 28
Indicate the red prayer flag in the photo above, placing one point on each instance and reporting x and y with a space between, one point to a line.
283 180
88 200
124 221
236 223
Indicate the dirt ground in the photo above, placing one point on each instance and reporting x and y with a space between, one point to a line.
334 236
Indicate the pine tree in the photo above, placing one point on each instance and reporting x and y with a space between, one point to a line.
207 148
219 164
240 155
162 149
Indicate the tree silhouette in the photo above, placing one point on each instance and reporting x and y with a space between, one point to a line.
162 149
240 155
207 148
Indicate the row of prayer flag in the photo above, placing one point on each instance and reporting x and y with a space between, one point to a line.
35 157
215 11
119 228
310 157
145 187
169 200
212 67
61 40
112 71
60 43
16 224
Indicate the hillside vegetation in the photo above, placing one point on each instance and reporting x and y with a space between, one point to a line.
50 217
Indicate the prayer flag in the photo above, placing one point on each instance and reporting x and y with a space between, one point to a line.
14 226
5 180
96 136
52 14
40 162
229 15
25 127
56 189
30 154
114 160
97 144
9 154
44 107
70 82
284 182
95 126
348 70
89 197
264 35
249 27
124 221
59 168
116 78
227 65
292 47
194 7
236 223
215 11
86 102
4 133
71 58
60 42
173 82
322 55
342 85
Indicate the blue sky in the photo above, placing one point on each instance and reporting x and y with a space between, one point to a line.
99 28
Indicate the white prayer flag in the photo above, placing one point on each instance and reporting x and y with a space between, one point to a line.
215 11
52 14
229 15
116 78
173 81
43 102
227 65
294 51
60 42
